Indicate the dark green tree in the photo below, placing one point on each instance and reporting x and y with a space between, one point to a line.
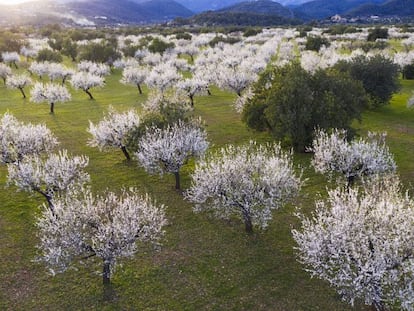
99 53
291 102
378 74
70 49
377 33
49 56
314 43
160 46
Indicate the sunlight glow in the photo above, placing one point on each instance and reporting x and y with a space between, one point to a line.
13 2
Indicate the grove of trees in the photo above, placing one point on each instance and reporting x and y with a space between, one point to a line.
243 121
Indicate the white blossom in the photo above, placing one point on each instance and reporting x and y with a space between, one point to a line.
167 150
135 76
50 93
19 81
96 69
85 81
192 87
113 130
10 58
109 227
55 175
5 72
18 139
355 159
162 77
247 182
361 241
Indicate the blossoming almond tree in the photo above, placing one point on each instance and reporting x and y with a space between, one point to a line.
192 87
109 227
19 81
49 177
113 130
5 72
18 139
247 182
50 93
362 157
11 58
85 81
361 241
135 76
167 150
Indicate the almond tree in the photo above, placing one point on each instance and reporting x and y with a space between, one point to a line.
97 69
59 71
85 81
50 93
162 77
355 159
18 139
247 182
192 87
11 58
135 76
18 82
167 150
113 130
5 72
50 177
361 241
109 227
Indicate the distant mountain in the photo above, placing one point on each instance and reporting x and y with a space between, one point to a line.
320 9
247 13
90 12
212 18
390 8
126 11
266 7
214 5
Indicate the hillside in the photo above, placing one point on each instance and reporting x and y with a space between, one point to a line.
320 9
87 13
389 8
237 19
266 7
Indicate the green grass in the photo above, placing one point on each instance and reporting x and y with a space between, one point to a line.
204 263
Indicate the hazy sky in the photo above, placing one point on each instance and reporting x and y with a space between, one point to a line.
13 1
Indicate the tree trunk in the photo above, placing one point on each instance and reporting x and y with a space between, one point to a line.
48 199
90 95
106 273
139 89
192 100
126 154
350 182
52 108
177 180
108 291
209 92
248 223
22 91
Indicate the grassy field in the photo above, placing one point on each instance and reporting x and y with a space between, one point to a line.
204 263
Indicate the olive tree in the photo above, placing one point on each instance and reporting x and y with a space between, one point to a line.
247 182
